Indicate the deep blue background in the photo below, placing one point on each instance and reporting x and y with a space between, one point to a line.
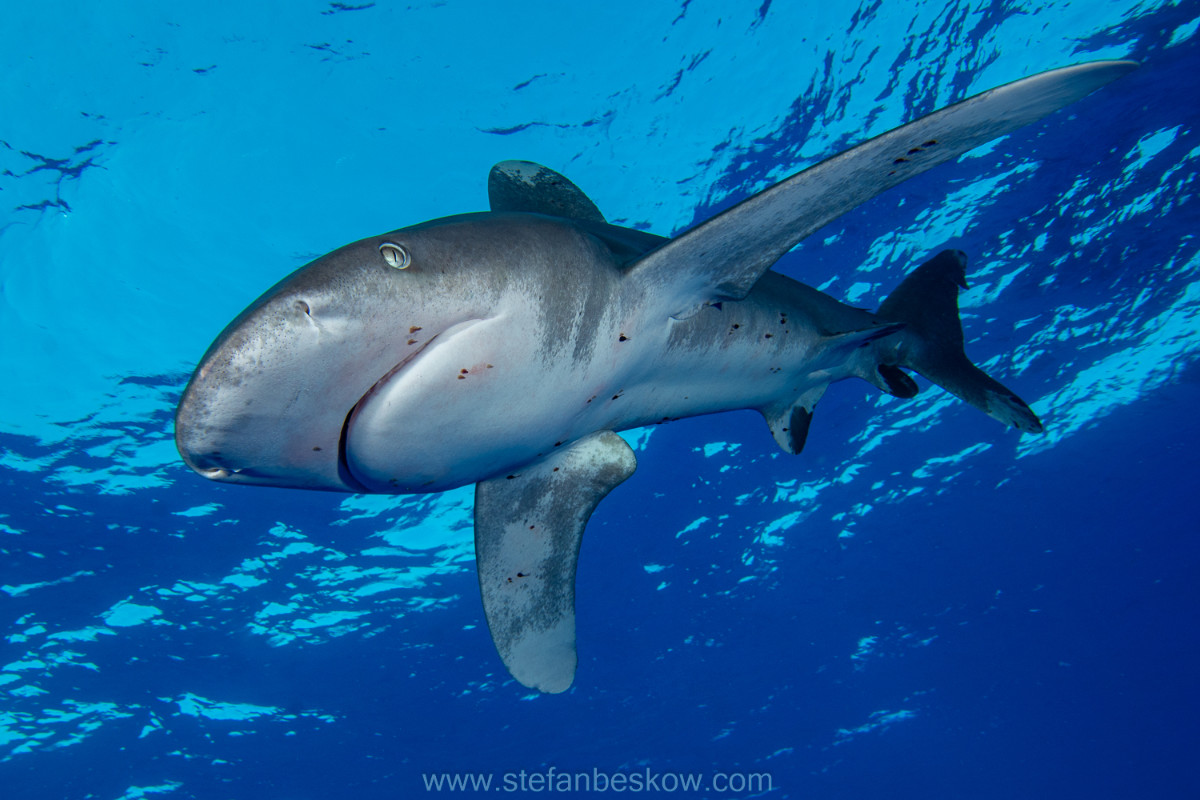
1034 604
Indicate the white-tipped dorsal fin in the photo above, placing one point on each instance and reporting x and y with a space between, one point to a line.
528 528
531 188
721 259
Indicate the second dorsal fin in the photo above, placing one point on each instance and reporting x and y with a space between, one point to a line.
531 188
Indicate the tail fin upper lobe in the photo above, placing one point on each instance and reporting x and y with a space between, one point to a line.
932 343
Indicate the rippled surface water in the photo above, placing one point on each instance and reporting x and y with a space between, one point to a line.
923 604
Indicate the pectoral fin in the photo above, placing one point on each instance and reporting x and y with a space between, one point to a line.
722 258
528 528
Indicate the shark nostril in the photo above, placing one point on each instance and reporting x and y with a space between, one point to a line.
303 307
210 465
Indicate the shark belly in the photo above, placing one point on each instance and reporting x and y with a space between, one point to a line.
485 399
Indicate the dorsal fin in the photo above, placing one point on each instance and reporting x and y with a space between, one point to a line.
723 258
531 188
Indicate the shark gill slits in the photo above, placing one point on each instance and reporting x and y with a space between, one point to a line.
394 255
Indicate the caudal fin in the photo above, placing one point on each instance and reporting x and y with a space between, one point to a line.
932 343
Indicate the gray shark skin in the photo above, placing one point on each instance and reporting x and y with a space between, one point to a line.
505 348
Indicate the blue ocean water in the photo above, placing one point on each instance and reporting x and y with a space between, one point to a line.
923 604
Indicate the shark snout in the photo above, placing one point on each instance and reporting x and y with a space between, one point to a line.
206 464
195 444
268 401
271 401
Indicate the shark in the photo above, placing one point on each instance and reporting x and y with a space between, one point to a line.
506 349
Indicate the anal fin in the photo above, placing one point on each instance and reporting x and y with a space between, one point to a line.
789 421
528 529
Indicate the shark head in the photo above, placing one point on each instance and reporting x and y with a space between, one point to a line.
272 399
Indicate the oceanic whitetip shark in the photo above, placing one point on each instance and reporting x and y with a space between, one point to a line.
505 348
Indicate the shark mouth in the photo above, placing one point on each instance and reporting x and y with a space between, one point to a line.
379 433
344 471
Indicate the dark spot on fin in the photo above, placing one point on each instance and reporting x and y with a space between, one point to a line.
798 429
789 421
899 384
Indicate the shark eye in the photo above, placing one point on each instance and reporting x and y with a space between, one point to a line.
395 255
